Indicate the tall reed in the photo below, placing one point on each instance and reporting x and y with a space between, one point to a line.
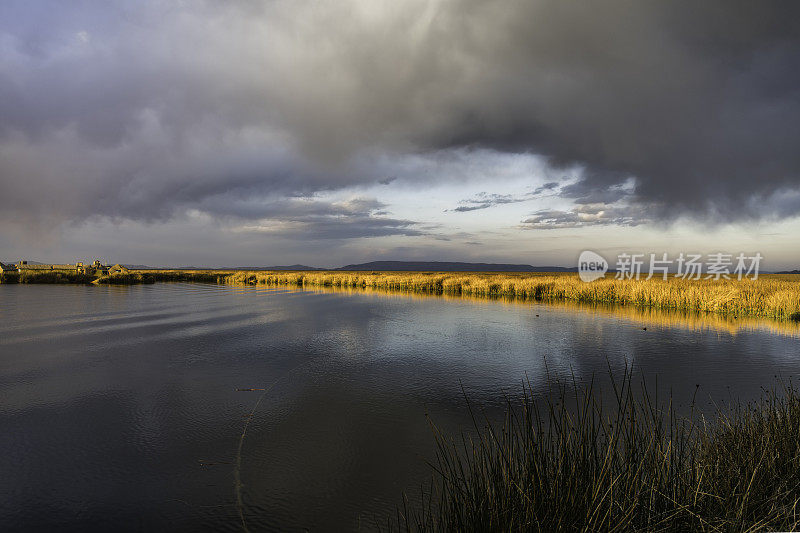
561 465
773 296
768 296
153 276
47 276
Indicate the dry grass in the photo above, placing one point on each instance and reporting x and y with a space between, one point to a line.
772 296
152 276
46 276
769 296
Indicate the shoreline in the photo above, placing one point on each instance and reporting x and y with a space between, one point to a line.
775 296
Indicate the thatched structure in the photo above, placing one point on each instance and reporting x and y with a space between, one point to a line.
23 266
118 269
95 269
64 268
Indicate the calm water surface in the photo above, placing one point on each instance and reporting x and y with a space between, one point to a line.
119 407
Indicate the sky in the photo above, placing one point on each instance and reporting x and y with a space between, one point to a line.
325 133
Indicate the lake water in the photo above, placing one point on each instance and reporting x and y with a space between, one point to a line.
120 408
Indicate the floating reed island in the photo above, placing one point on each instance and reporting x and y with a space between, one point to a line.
773 296
570 462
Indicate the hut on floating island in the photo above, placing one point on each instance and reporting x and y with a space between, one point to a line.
95 269
118 269
8 269
64 268
23 266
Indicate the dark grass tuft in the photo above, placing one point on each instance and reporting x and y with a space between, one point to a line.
578 465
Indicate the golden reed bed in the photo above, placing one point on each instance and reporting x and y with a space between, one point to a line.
774 296
641 316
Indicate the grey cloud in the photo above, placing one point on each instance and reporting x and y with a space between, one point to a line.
583 192
325 228
453 236
785 202
580 192
587 215
139 110
485 200
320 220
257 208
547 187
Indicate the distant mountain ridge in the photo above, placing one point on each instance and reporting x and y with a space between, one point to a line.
451 266
280 267
14 262
389 266
284 267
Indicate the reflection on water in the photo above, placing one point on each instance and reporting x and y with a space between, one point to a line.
120 406
697 321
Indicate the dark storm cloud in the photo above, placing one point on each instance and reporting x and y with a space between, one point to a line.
140 110
584 192
697 101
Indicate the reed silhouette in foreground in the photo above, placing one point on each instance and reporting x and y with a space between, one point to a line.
571 463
